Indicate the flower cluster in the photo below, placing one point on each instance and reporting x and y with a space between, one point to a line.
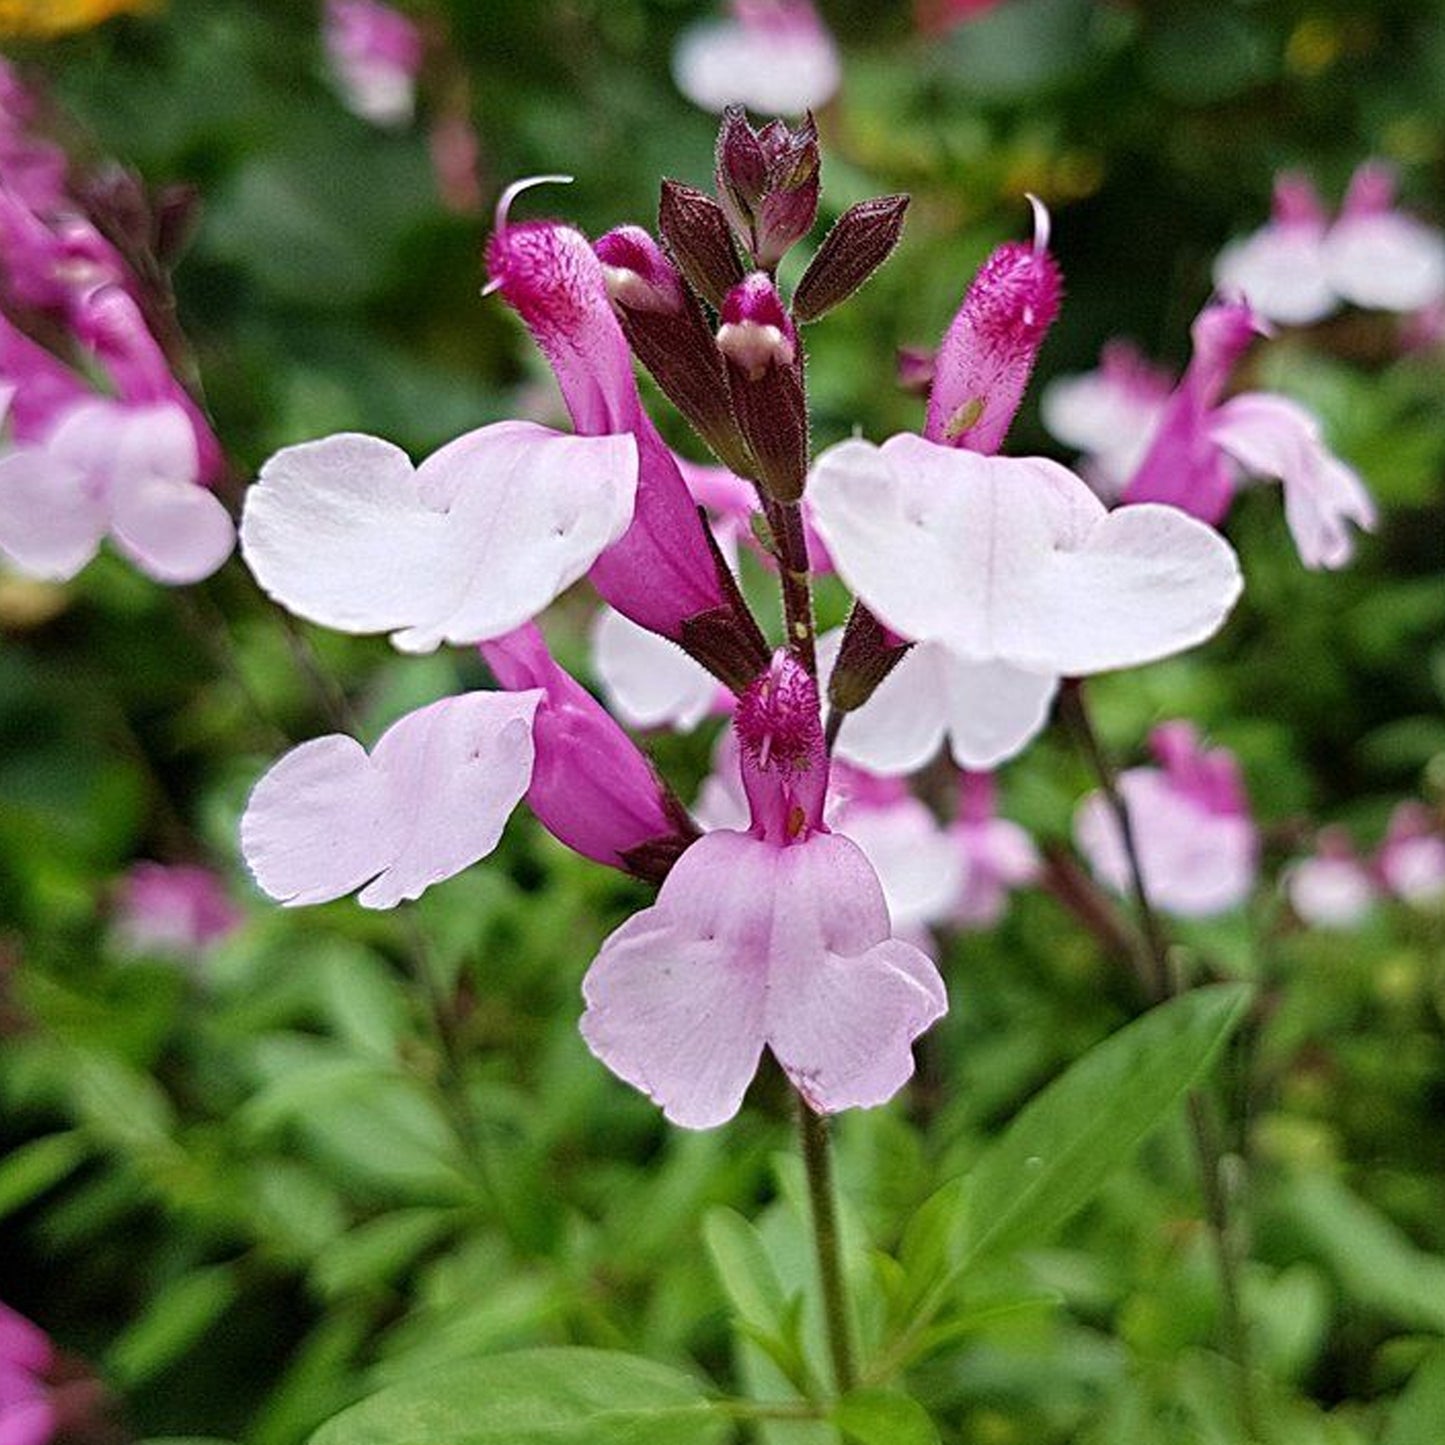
794 900
1302 265
101 438
1337 887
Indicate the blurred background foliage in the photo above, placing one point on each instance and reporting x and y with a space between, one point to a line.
346 1145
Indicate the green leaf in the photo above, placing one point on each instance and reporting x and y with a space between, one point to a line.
1374 1262
1416 1418
174 1320
884 1417
1066 1142
740 1261
27 1172
536 1397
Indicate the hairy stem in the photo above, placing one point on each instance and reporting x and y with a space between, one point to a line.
786 521
1162 984
817 1159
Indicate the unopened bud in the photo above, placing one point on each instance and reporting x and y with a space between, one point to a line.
867 654
669 334
765 377
767 182
860 242
639 277
701 242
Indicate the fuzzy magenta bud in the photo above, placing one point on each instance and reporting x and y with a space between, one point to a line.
669 334
700 239
860 242
765 376
592 788
767 183
988 353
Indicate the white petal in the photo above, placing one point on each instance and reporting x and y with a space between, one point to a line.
722 63
431 800
174 531
903 725
994 710
1386 262
51 521
472 544
1280 271
1271 436
1015 560
649 681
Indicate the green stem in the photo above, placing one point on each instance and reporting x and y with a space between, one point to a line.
817 1160
1162 984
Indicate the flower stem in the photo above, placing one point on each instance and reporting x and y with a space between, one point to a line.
817 1160
1161 984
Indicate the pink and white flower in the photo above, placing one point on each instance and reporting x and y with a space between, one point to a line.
1334 888
1012 574
130 473
1411 860
1299 268
650 682
374 54
1197 845
176 909
1203 448
776 937
773 56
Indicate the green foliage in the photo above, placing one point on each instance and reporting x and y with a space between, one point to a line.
536 1397
351 1158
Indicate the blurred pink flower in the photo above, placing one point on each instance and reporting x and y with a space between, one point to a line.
179 909
1299 267
1411 860
1334 888
374 53
774 56
27 1415
1197 845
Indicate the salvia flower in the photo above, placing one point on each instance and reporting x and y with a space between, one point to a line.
180 910
1197 844
1333 888
773 56
1300 267
1411 860
104 440
775 937
1203 448
374 54
1013 575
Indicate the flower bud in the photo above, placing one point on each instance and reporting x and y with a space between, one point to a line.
765 377
860 242
767 182
867 654
668 333
701 242
592 788
988 354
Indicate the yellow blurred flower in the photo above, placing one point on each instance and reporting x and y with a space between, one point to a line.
40 19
